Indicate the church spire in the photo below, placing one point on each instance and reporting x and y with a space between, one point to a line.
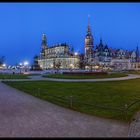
89 28
44 41
43 45
137 53
137 45
101 40
88 20
88 41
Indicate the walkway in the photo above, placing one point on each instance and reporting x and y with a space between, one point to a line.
130 76
134 129
22 115
39 77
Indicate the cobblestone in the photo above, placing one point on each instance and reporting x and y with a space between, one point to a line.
134 129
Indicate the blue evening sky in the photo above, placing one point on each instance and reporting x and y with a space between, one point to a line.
22 25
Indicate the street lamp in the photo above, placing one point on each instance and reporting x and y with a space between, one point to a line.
75 53
4 65
26 63
20 67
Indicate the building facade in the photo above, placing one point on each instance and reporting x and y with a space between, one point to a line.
57 57
95 57
104 57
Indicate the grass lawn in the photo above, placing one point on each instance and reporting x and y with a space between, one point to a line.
134 72
13 76
114 94
65 76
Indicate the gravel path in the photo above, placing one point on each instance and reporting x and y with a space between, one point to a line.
22 115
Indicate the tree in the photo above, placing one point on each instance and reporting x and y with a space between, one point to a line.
82 64
2 59
35 65
36 59
72 50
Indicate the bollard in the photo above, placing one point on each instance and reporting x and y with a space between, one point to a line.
38 91
35 92
126 107
71 101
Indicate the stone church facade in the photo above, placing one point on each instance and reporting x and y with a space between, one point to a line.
57 57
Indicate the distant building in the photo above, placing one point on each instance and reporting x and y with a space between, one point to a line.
95 57
36 65
57 57
89 43
103 57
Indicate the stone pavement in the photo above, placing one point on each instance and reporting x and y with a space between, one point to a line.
22 115
134 128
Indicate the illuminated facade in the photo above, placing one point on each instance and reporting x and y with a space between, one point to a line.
89 43
103 57
95 57
57 57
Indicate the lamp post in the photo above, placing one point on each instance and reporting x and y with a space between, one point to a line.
20 67
26 65
4 66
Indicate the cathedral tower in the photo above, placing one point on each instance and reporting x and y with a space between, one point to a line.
88 42
137 54
44 42
43 45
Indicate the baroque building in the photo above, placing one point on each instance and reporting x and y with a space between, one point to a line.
57 57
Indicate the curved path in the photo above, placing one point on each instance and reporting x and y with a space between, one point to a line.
130 76
22 115
39 77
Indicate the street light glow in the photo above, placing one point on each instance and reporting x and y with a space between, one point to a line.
75 53
26 63
4 65
20 64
